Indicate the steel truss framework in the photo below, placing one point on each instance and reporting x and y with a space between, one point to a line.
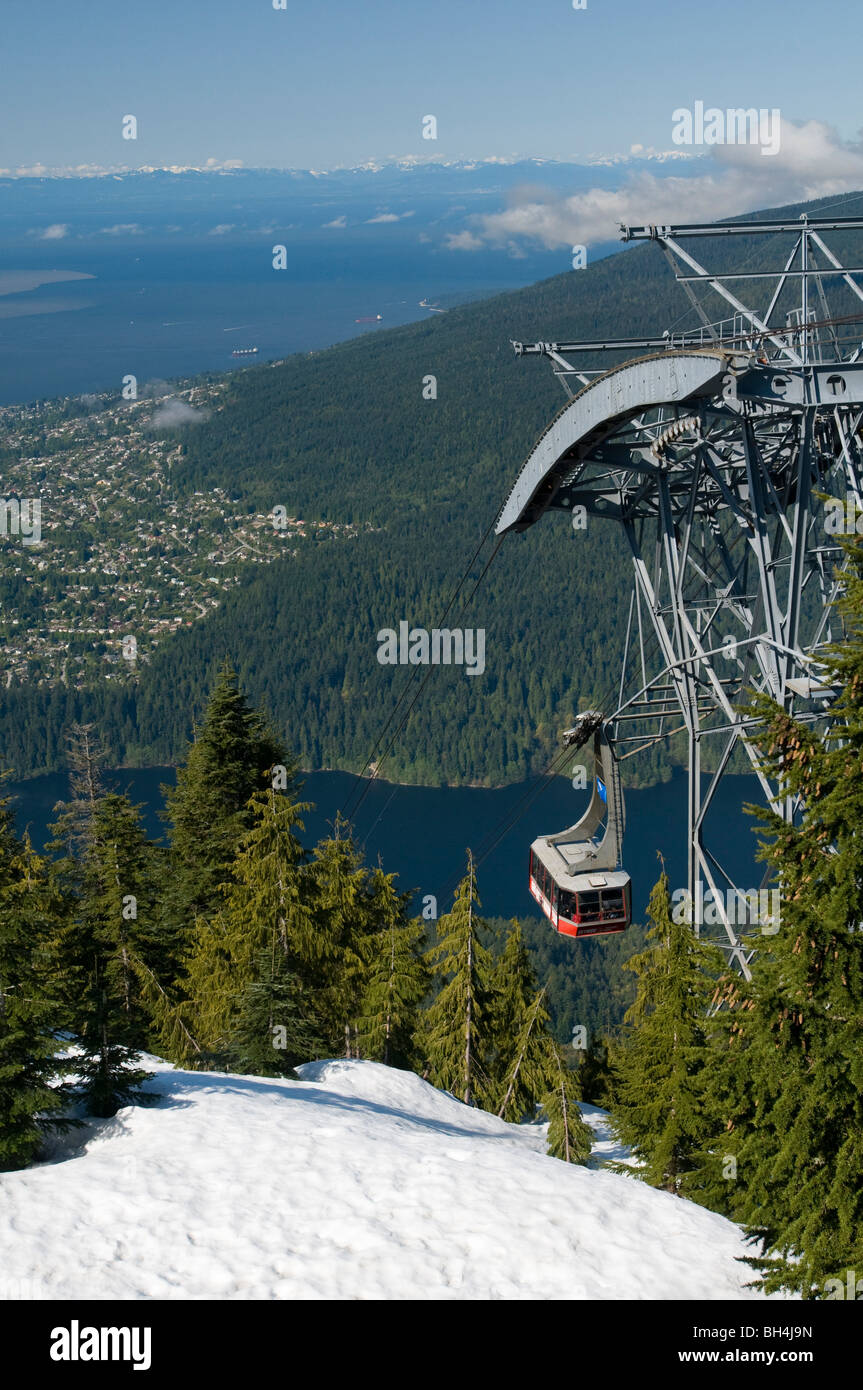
711 452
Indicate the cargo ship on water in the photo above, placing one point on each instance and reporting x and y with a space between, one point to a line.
244 352
370 318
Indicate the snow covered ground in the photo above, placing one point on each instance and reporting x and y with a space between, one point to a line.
357 1182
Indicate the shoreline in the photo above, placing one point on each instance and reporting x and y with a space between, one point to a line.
32 778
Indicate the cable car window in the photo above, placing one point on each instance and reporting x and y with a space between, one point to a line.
589 906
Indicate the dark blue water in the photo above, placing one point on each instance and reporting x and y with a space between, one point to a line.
423 833
159 311
181 264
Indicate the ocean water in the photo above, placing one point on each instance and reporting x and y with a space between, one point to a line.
423 833
160 311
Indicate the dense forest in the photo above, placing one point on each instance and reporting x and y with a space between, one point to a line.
348 434
233 948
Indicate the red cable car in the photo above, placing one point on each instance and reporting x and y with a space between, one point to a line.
575 875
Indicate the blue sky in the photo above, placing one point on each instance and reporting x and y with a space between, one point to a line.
329 82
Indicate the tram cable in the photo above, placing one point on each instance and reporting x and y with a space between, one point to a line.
509 821
532 793
544 779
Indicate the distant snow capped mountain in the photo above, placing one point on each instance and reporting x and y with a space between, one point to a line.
431 198
413 201
405 163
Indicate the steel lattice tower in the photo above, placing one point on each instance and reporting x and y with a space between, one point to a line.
710 452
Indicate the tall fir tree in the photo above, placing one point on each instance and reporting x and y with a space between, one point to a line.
458 1034
797 1027
272 1028
659 1102
569 1138
515 989
524 1080
32 1095
596 1073
105 934
229 759
396 980
334 947
531 1069
264 915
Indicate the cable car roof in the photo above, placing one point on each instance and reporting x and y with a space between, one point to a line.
569 868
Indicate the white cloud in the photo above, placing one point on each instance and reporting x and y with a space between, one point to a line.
812 162
175 412
339 222
222 229
55 232
389 217
463 241
122 229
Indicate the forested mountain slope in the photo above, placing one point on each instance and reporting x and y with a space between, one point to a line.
347 435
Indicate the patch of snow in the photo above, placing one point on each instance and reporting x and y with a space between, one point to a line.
357 1182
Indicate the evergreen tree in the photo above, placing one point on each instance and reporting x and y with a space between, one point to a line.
729 1108
397 978
105 932
659 1101
30 1093
799 1024
211 988
458 1032
85 757
515 989
596 1073
536 1072
265 913
113 880
332 944
209 808
272 1030
526 1078
569 1138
